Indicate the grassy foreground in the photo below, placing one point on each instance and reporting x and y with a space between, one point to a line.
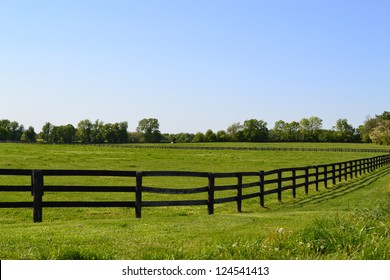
349 221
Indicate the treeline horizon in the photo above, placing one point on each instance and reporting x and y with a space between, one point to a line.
373 130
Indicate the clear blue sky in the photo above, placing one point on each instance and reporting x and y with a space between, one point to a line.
193 64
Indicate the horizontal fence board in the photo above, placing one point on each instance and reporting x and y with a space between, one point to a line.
269 182
174 191
249 174
16 204
225 199
226 175
225 188
286 179
250 185
107 189
174 173
15 188
15 172
271 172
250 195
270 191
88 204
103 173
174 203
285 188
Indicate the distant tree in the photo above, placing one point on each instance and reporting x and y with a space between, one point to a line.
210 136
234 132
199 137
384 116
97 132
66 133
84 131
134 137
344 131
375 129
15 131
310 128
280 131
381 133
121 132
150 130
4 134
255 131
183 138
5 123
222 136
29 135
47 132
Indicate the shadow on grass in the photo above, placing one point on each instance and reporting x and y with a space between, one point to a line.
343 188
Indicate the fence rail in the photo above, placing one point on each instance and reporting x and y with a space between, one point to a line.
256 184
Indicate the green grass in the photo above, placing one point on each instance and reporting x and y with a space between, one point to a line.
349 221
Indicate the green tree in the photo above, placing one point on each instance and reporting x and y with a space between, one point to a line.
4 134
15 131
47 132
381 133
234 132
97 132
255 131
150 130
29 135
84 131
210 136
310 128
344 131
280 131
199 137
222 136
65 134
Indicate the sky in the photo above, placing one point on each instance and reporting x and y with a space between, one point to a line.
192 64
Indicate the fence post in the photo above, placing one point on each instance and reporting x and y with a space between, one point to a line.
351 169
239 192
210 200
261 174
138 194
333 174
37 192
306 180
279 185
326 176
340 172
317 178
364 166
345 171
294 183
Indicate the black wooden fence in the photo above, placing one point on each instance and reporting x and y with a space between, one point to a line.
256 185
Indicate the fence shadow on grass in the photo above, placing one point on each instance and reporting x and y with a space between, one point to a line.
343 189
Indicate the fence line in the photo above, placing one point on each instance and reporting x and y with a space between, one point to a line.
288 149
258 184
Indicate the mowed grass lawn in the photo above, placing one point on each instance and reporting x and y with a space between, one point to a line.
348 221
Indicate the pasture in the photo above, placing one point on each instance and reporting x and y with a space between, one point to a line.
348 221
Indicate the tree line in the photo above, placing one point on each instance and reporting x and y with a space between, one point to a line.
373 130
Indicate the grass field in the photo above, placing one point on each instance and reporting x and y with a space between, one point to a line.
349 221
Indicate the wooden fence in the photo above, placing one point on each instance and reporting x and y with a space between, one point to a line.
256 185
